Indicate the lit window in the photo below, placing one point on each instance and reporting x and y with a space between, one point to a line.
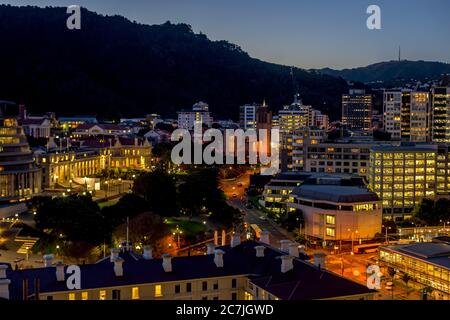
85 295
158 290
72 296
102 295
330 232
248 296
135 293
331 220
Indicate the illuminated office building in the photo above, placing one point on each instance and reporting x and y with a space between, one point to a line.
357 110
392 112
199 114
403 175
419 117
440 113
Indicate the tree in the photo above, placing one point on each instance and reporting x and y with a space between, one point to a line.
144 229
292 220
424 211
130 205
405 278
159 190
74 221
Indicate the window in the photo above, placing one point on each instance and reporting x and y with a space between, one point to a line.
216 285
204 285
233 283
116 294
234 296
330 232
85 295
158 291
248 296
135 293
177 288
204 298
49 297
72 296
331 219
102 295
188 287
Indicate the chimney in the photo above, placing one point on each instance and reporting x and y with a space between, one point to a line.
4 288
286 263
235 240
210 248
301 248
319 260
48 260
3 268
260 251
148 253
60 276
218 258
4 283
114 254
167 262
264 237
118 266
284 245
293 249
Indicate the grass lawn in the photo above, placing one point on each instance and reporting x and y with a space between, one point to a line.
108 203
190 228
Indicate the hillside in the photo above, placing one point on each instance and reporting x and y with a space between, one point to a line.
114 67
392 71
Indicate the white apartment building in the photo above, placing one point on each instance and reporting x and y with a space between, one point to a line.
199 114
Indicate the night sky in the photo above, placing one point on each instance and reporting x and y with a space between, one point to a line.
304 33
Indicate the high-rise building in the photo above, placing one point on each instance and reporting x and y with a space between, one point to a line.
321 120
440 114
247 116
392 113
403 175
357 110
419 117
199 114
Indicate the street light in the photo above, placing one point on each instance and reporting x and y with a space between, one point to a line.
387 228
353 232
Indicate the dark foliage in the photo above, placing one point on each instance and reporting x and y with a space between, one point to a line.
115 67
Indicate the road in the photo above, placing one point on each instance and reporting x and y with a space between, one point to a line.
235 192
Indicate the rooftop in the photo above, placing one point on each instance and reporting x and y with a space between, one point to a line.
335 193
435 253
304 281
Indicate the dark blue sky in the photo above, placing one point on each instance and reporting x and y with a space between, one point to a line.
304 33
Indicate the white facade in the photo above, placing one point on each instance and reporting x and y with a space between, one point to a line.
199 114
392 112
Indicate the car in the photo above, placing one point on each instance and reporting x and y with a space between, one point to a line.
239 184
263 218
234 195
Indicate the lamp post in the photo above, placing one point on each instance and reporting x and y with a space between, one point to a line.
178 232
387 228
353 232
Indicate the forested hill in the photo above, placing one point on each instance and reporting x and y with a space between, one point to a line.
114 67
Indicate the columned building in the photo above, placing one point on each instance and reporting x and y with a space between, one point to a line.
20 178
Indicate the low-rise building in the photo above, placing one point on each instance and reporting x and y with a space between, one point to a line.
427 263
94 129
337 208
242 271
199 114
